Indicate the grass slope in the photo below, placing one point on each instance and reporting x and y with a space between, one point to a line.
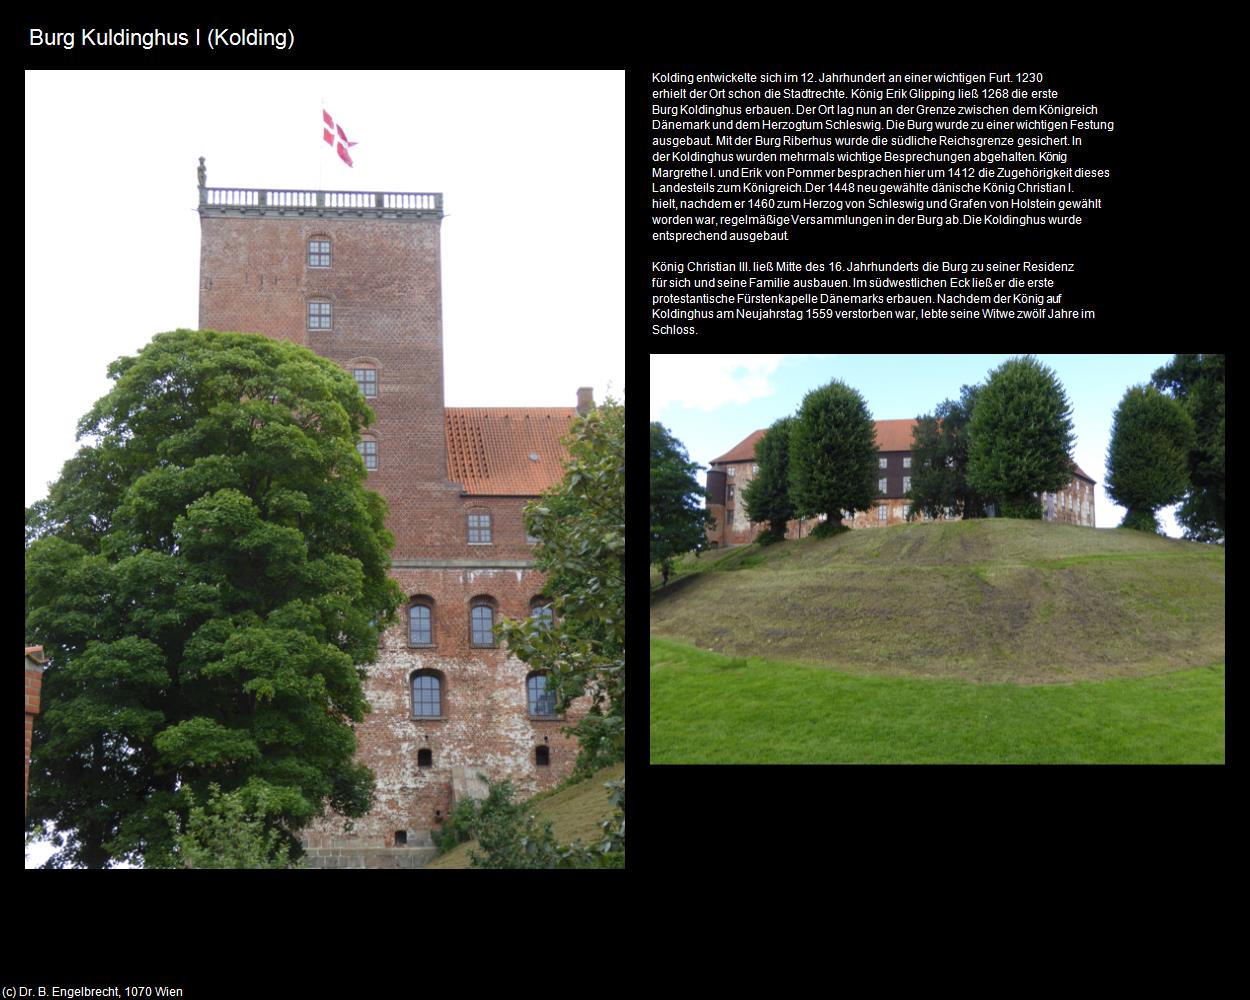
989 601
575 813
707 708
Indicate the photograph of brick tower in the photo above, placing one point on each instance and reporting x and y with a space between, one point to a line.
478 305
354 276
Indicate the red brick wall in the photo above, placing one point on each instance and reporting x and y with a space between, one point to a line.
383 285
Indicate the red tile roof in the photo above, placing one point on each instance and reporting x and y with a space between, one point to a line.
743 451
892 435
489 448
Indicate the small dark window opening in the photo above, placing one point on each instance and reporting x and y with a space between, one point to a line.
425 757
542 756
401 838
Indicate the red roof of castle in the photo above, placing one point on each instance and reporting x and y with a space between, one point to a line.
489 448
743 451
892 435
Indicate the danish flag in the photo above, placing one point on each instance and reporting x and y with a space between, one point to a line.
342 146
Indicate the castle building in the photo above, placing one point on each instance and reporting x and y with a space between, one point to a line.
355 277
729 474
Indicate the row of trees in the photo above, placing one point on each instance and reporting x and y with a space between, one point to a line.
1003 442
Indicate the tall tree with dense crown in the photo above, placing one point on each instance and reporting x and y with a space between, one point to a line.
205 577
767 495
580 526
1148 458
1197 381
833 453
940 443
1021 437
679 518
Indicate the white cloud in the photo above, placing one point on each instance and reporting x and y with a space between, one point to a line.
707 381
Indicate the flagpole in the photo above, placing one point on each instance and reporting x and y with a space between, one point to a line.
320 159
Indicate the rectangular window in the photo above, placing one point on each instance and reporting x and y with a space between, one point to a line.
883 463
729 471
319 316
367 379
883 513
906 461
318 253
906 483
880 485
369 450
906 511
479 529
730 494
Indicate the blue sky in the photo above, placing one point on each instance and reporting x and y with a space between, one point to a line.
710 402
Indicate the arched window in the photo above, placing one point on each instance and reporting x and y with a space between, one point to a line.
542 701
482 623
319 251
427 694
421 622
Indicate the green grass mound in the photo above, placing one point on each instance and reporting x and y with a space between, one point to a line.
710 709
990 601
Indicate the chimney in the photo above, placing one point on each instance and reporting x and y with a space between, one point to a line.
585 400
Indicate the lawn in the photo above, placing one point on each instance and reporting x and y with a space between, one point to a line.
712 709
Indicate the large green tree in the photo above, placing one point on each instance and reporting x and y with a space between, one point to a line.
1197 381
940 445
1148 458
1021 437
206 575
580 526
833 453
679 519
767 495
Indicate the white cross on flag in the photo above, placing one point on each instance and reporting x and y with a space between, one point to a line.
342 145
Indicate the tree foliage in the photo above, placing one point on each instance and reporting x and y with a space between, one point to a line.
229 831
1020 437
679 520
509 836
767 495
1148 458
204 577
940 446
580 526
833 453
1197 381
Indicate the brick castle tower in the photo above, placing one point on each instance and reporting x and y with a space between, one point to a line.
355 277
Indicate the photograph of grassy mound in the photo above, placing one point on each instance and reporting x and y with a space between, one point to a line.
969 642
988 601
